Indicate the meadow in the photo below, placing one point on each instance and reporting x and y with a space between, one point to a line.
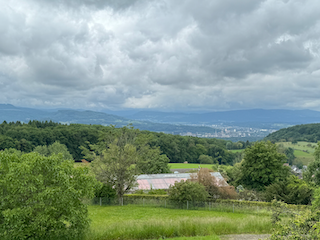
302 150
189 165
138 222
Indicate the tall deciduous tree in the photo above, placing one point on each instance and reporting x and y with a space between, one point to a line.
262 165
114 158
41 197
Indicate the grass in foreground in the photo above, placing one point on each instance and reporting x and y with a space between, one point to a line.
136 222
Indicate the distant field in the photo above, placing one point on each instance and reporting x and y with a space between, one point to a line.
137 222
236 150
302 150
189 165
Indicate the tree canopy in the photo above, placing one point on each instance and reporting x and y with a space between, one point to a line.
54 148
27 136
312 174
41 197
261 166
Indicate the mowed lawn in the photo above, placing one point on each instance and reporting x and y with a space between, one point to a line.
138 222
189 165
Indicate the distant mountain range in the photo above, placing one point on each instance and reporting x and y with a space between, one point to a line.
12 113
168 122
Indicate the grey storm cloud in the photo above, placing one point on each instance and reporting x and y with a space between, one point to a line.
160 54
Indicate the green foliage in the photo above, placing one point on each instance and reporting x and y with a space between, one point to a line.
184 191
291 190
106 191
312 174
302 226
233 174
289 152
41 197
304 132
157 192
54 148
151 161
25 137
299 164
316 199
262 165
205 159
114 158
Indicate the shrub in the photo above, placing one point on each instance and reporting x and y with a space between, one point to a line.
184 191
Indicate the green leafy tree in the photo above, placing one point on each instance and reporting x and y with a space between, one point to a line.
41 197
114 158
302 225
292 190
54 148
289 152
262 165
205 159
184 191
153 162
312 174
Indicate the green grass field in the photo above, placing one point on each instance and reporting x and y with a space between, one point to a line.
189 165
236 150
137 222
302 150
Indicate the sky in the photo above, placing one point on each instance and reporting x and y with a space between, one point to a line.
167 55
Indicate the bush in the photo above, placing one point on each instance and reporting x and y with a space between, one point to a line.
184 191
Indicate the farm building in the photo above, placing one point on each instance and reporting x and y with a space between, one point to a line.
163 181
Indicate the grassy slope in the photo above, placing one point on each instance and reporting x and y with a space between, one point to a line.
136 222
299 151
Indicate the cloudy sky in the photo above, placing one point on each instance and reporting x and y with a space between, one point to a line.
162 54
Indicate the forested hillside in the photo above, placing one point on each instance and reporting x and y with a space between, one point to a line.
305 132
25 137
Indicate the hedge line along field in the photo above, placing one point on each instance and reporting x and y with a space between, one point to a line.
137 222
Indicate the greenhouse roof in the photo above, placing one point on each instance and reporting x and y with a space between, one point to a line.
163 181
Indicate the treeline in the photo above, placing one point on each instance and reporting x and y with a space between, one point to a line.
26 136
305 132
